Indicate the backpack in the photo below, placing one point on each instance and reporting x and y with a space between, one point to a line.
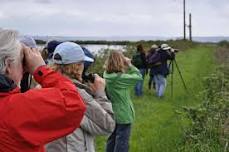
137 60
153 59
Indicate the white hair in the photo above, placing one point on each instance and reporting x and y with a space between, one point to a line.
9 48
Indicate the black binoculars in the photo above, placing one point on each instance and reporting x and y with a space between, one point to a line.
89 77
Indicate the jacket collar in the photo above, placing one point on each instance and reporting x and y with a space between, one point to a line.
82 86
6 84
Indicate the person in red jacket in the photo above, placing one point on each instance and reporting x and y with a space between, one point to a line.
32 119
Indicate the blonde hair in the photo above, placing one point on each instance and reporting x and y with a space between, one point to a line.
116 62
44 53
71 70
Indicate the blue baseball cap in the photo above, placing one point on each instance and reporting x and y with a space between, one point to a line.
68 53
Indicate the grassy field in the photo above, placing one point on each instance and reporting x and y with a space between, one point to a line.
158 126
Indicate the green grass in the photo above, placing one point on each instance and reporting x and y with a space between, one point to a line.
158 127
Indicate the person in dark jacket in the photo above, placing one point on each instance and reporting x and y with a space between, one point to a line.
161 69
139 61
30 120
153 49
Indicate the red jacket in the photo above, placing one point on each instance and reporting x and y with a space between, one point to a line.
30 120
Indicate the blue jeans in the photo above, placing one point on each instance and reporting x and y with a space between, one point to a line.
139 85
160 84
119 139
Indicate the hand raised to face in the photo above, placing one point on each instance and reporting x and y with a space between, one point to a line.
98 85
32 59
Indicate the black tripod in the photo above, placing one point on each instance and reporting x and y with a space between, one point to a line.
171 65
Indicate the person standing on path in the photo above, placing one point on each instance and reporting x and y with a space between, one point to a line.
120 76
139 61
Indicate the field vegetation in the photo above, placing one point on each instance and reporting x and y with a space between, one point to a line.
192 120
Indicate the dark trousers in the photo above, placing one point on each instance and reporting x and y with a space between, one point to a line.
119 139
151 80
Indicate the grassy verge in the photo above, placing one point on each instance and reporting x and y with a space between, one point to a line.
209 129
158 127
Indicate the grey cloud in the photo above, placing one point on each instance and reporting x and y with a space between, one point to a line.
7 1
107 17
44 1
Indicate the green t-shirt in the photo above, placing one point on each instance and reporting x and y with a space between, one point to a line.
118 90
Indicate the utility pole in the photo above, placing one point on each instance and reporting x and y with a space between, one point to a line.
190 26
184 20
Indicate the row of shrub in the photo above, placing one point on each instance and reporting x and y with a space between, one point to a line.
130 49
224 44
176 43
209 131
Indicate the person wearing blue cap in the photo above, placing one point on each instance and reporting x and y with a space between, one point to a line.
68 59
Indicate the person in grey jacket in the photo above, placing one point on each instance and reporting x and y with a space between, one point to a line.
68 58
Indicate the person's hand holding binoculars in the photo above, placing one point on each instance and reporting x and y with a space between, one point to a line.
32 59
99 84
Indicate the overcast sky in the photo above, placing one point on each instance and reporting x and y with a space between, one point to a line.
114 17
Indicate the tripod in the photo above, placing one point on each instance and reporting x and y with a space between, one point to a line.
171 64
